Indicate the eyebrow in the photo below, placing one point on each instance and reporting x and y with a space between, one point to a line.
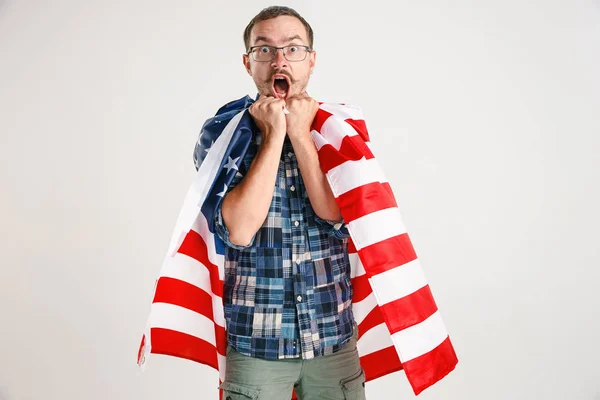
266 39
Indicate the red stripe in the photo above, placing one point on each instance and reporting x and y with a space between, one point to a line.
380 363
361 288
364 200
429 368
409 310
388 188
178 344
360 126
330 158
351 246
387 254
139 357
355 148
352 148
221 339
374 318
320 117
184 294
193 245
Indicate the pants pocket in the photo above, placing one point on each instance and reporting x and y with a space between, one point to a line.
354 386
234 391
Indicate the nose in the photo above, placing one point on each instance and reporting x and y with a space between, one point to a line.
279 61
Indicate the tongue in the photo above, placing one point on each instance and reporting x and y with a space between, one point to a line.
281 86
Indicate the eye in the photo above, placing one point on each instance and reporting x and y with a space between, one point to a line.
265 49
293 49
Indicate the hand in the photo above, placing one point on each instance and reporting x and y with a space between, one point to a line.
268 114
303 109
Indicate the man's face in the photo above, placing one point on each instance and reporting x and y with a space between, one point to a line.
280 31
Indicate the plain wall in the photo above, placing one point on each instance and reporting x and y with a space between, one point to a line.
483 114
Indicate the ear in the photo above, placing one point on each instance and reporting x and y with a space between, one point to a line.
312 61
246 62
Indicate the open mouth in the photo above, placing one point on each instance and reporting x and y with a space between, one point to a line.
281 86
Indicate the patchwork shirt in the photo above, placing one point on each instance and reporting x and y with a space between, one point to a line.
287 294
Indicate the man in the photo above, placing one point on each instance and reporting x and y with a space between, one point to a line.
287 292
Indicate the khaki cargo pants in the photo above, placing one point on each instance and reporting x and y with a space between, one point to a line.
338 376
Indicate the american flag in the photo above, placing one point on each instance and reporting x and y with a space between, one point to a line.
399 324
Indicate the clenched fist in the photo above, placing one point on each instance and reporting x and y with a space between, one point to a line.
268 114
303 109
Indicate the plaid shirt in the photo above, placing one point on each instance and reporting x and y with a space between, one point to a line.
288 293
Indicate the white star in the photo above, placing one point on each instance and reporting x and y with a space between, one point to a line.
231 163
238 174
223 192
208 148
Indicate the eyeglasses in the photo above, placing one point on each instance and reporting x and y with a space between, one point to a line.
293 52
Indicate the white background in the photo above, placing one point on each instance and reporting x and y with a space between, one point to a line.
483 114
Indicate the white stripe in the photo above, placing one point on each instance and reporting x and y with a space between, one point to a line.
421 338
221 365
187 269
318 139
398 282
356 266
362 308
180 319
376 226
335 129
375 339
353 174
344 111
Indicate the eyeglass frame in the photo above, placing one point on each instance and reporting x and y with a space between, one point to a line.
307 48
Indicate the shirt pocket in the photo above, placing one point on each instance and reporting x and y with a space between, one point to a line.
331 269
332 299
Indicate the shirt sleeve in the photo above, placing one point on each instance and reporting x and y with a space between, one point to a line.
339 229
220 227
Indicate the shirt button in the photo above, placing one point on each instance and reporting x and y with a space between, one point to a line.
299 298
296 223
292 188
298 261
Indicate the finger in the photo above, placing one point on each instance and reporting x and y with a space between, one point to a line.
272 101
277 101
266 102
264 98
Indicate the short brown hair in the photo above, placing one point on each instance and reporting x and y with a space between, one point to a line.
272 12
